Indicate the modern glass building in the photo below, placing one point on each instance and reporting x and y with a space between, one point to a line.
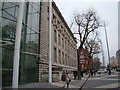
29 49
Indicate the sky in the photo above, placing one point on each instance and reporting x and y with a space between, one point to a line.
107 10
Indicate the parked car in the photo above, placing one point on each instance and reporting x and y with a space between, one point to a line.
118 69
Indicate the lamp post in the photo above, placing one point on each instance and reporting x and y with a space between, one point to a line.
102 53
107 44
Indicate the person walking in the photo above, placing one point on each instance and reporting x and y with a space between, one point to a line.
109 71
91 71
63 78
75 74
94 72
68 80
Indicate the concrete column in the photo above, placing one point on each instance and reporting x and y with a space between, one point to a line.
50 40
17 46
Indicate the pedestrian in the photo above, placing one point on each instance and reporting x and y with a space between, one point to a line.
75 74
94 72
109 71
89 74
81 73
68 80
91 71
63 78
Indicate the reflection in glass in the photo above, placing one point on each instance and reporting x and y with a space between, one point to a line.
29 42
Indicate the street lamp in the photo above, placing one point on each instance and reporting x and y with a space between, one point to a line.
102 54
107 45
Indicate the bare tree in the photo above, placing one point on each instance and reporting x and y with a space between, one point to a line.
93 47
97 63
87 22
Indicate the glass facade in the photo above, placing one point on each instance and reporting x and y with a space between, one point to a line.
8 20
29 41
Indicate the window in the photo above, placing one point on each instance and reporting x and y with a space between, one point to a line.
62 58
66 61
29 41
54 19
58 24
63 43
59 40
55 36
8 17
81 56
82 61
55 55
59 53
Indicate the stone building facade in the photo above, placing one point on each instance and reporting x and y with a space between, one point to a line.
64 48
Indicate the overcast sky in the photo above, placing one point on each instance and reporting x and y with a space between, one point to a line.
107 10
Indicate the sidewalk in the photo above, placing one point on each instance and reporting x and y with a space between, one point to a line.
73 84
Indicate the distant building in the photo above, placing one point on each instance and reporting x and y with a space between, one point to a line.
113 61
118 57
84 58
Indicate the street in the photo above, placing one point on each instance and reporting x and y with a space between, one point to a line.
104 81
99 82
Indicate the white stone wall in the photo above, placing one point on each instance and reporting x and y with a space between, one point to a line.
67 57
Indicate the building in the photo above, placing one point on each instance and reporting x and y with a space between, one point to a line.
34 43
113 62
118 57
64 48
29 41
84 59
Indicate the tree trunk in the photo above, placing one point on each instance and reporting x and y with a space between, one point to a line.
79 66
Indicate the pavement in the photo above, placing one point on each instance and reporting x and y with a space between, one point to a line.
73 84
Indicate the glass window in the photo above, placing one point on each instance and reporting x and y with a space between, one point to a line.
55 55
8 17
59 56
29 42
63 58
59 40
82 56
63 43
82 61
55 36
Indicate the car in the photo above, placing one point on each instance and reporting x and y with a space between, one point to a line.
118 69
102 71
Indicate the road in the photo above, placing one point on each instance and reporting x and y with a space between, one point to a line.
104 81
